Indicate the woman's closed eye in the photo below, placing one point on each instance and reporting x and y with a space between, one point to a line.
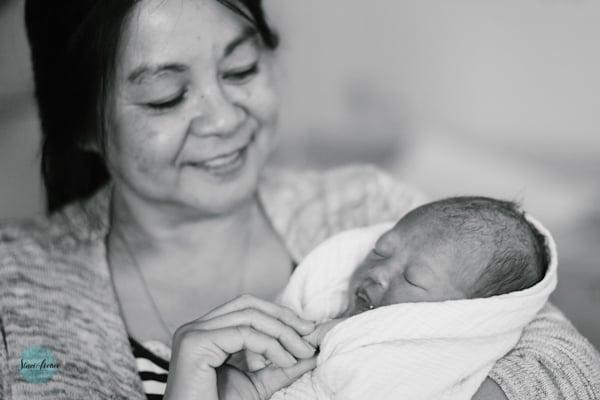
241 75
168 103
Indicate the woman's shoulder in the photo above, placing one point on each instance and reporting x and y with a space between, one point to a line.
26 249
309 206
342 183
37 231
43 239
42 232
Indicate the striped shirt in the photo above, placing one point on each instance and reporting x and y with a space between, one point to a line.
152 367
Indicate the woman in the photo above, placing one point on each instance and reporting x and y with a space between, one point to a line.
158 117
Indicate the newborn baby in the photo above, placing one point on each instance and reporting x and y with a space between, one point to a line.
435 322
457 248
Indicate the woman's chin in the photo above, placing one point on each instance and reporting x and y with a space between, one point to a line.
223 192
195 190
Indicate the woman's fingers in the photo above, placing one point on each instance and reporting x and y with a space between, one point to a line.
269 380
264 323
211 348
284 314
263 344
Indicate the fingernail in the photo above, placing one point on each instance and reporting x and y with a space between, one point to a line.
309 348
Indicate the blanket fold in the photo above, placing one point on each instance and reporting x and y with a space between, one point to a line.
441 350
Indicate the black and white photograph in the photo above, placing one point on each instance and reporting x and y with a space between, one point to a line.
300 200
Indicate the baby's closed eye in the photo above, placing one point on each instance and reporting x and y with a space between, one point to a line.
419 276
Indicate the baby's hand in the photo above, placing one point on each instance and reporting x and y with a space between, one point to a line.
316 337
249 361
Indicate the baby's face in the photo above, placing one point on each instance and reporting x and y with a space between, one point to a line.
412 262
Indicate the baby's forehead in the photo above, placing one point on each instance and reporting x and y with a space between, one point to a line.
420 226
431 238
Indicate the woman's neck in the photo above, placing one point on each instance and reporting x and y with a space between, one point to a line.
151 227
189 267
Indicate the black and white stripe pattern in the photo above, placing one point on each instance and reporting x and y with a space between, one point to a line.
153 370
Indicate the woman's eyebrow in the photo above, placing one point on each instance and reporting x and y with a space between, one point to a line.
144 71
247 34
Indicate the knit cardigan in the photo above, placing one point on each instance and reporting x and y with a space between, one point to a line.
56 292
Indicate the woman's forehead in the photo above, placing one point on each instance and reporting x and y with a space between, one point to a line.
161 31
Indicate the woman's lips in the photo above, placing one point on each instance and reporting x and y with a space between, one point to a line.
225 163
224 160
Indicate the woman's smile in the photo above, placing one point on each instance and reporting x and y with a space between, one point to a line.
228 164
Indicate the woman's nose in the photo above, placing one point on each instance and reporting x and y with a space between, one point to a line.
217 114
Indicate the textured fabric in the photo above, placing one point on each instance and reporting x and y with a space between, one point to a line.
55 287
394 351
549 362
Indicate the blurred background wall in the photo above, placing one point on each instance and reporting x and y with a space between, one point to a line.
485 97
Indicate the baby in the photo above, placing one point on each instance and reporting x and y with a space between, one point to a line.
466 249
456 248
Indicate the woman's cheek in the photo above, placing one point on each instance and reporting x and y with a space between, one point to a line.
145 147
267 104
263 96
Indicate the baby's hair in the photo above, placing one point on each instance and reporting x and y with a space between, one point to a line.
515 251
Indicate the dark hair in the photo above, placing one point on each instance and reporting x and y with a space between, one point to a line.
517 258
74 47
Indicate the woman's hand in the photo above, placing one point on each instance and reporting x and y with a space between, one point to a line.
246 323
250 361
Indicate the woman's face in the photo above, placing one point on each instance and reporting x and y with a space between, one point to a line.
194 107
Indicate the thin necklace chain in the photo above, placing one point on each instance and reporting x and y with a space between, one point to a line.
240 284
147 291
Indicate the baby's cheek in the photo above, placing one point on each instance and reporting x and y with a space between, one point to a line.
450 292
403 293
359 275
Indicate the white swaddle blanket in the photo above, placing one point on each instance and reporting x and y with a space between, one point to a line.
414 351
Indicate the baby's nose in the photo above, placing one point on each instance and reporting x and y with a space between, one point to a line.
379 274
